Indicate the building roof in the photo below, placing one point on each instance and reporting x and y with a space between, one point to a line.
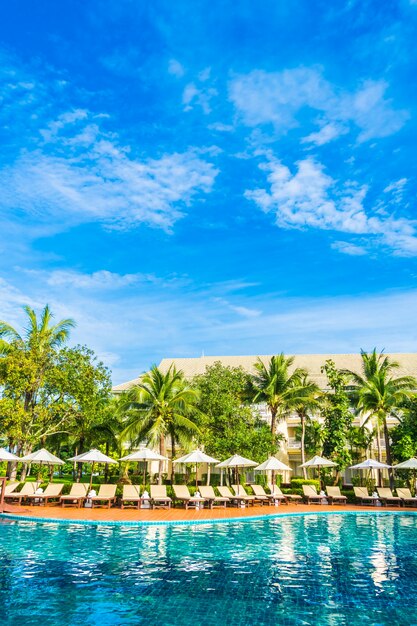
311 362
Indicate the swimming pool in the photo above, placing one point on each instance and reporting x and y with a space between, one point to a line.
314 569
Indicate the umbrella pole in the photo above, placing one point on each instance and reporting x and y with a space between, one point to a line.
91 475
196 482
144 474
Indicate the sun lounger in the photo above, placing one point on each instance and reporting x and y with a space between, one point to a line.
76 496
27 489
182 494
51 492
311 495
386 496
159 497
260 494
106 496
233 498
131 495
335 496
208 494
277 493
10 488
407 498
241 492
363 496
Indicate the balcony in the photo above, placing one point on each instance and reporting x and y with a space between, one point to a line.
293 444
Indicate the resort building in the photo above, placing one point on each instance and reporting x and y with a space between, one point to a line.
290 445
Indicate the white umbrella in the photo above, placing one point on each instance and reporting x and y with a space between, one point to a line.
370 464
197 456
273 464
7 456
409 464
237 461
319 461
42 457
92 456
144 454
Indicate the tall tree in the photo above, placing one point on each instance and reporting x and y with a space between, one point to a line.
338 416
161 405
280 389
379 394
25 360
305 406
228 424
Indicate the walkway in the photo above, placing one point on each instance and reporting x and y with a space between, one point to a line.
178 514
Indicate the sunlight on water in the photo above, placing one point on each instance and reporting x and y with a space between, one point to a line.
318 570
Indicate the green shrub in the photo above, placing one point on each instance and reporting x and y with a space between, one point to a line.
297 483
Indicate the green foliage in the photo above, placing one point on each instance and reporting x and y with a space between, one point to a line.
297 483
337 417
378 393
280 389
404 436
227 425
314 436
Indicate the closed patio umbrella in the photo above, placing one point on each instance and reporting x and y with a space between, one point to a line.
145 455
319 461
236 461
197 457
42 457
93 456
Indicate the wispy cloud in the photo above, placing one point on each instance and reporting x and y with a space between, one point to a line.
80 173
140 327
276 98
309 197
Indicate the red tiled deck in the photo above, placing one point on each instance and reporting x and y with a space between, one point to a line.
177 514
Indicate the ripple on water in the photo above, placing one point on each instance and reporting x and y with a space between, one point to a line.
313 570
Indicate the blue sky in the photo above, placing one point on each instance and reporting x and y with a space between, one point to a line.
217 177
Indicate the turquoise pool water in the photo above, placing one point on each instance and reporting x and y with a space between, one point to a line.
316 569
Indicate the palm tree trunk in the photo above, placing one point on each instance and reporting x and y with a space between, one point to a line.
106 471
172 458
378 445
303 435
161 463
388 452
273 420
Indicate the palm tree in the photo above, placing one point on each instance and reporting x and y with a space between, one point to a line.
378 394
38 346
307 402
277 387
41 340
161 405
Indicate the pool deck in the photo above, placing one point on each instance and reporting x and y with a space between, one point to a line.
97 515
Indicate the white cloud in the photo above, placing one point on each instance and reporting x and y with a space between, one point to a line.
311 198
175 68
349 248
327 133
142 326
101 280
79 173
200 96
276 98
